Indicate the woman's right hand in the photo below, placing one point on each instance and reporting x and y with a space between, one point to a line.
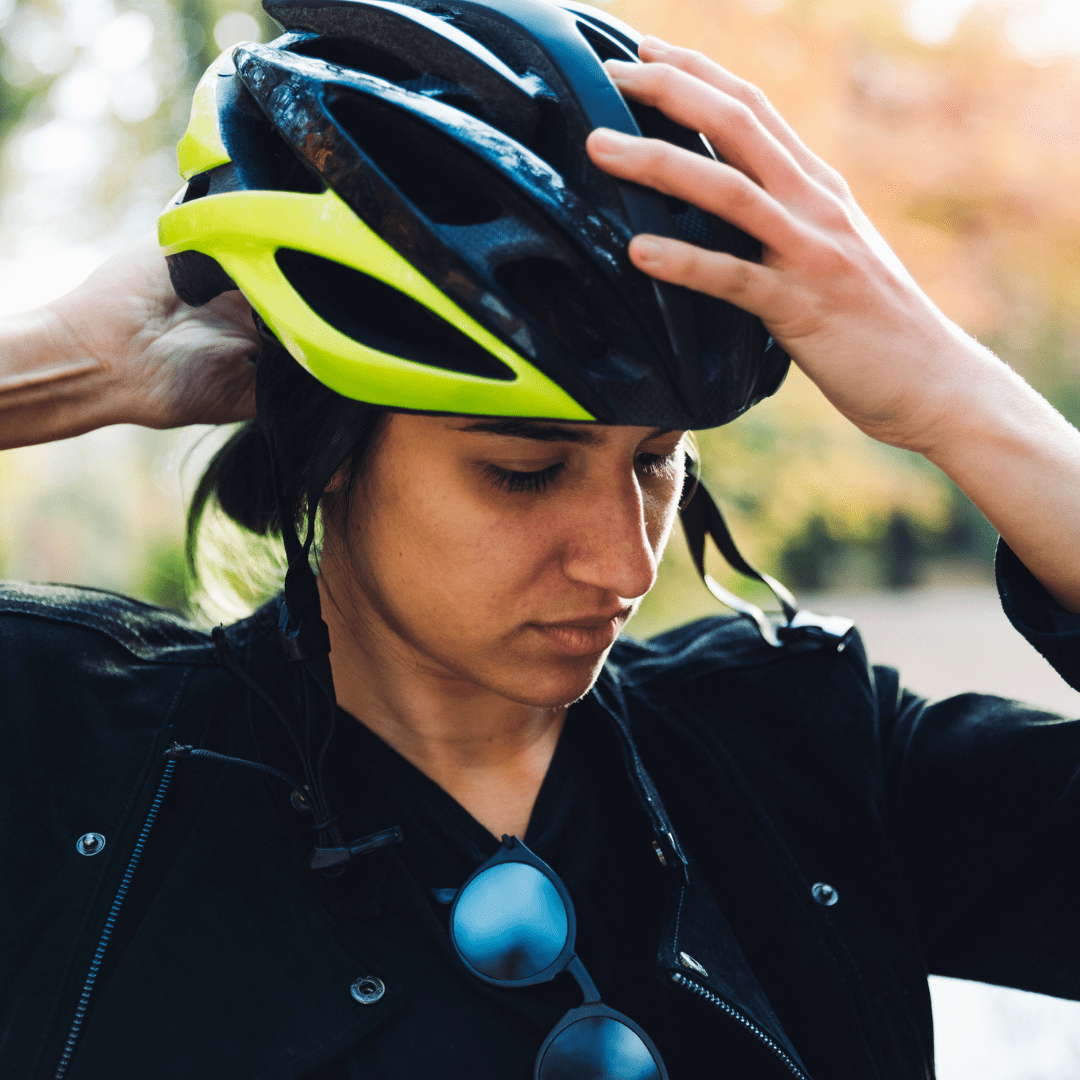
123 348
176 364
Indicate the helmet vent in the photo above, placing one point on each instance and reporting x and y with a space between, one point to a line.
609 28
448 93
606 48
354 54
261 158
198 187
382 317
549 140
551 293
284 171
714 234
435 175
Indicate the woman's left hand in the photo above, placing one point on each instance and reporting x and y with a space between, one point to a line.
828 287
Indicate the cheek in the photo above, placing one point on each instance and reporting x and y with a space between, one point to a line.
441 559
661 510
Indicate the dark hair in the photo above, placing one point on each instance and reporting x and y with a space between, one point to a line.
294 405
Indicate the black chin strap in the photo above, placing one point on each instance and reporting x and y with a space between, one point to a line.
304 635
701 517
301 629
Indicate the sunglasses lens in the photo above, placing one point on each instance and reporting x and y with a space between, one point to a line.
509 922
597 1048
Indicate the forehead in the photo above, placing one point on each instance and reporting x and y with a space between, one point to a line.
551 431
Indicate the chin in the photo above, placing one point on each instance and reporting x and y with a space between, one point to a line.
556 685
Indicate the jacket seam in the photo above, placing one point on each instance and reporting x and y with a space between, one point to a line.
116 632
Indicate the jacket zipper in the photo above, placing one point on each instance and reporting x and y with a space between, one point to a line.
681 980
110 923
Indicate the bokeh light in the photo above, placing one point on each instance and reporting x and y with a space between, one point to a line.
124 42
234 27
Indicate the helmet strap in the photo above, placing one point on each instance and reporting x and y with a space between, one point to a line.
701 517
303 633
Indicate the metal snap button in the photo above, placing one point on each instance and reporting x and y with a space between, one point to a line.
367 989
825 894
90 843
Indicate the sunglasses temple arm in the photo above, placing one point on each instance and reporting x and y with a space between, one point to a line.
585 983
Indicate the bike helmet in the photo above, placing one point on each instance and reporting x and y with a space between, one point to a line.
402 192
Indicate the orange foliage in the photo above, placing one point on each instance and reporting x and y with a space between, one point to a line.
967 159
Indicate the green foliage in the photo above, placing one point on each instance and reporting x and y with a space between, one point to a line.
166 580
13 102
900 553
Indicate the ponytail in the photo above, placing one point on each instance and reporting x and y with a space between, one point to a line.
239 482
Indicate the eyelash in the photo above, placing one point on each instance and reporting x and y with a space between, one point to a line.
512 480
537 482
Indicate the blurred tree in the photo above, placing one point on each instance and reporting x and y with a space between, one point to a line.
166 581
960 139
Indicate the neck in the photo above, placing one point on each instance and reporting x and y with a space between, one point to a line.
489 753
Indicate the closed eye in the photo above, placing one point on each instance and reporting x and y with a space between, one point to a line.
513 480
656 464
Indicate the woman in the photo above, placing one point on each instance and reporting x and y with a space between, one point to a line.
728 856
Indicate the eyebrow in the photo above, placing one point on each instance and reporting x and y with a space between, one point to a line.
543 431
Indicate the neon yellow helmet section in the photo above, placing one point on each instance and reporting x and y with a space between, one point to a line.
243 230
202 147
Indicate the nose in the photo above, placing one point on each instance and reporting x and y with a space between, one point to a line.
610 546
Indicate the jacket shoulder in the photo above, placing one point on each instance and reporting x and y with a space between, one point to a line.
66 612
706 647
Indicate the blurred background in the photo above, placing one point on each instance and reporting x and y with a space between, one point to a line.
957 124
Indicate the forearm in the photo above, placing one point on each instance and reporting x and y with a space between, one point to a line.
49 388
1018 460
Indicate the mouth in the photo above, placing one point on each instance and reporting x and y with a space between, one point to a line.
586 635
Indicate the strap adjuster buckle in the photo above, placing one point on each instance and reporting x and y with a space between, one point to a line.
309 638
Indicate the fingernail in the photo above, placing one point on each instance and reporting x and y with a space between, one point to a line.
647 249
653 44
606 141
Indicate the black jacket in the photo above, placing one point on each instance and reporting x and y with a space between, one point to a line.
948 832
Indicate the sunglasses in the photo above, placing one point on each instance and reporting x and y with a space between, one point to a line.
513 924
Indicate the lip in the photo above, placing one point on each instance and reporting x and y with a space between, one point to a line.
583 636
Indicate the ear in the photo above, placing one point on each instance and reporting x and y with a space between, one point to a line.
337 481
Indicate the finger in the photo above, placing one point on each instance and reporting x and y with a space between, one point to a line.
653 50
747 285
710 185
730 125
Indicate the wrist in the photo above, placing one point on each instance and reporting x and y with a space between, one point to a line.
986 408
970 397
